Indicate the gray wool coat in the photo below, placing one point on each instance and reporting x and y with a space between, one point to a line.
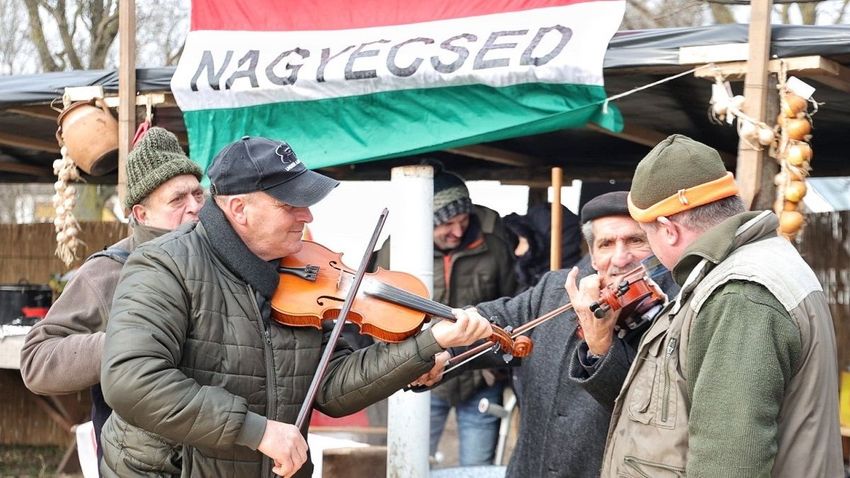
565 404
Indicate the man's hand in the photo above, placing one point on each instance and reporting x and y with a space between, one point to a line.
598 333
468 328
436 373
284 444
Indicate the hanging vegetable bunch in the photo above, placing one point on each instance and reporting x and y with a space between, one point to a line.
64 200
794 154
727 108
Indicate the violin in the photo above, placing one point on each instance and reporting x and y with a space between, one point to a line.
636 293
389 305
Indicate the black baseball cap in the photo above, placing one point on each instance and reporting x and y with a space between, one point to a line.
260 164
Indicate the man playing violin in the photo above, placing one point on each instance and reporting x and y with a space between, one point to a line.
191 352
569 384
737 376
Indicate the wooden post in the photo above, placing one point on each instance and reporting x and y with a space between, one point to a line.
751 160
555 246
766 195
126 88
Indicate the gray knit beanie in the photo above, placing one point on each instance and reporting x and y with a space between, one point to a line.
451 196
155 159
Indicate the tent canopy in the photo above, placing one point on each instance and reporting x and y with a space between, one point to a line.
633 59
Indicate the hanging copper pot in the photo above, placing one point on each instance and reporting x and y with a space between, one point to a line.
90 132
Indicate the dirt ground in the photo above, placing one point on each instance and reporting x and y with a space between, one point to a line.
30 461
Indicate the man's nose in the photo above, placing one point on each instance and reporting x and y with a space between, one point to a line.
195 203
303 214
622 255
457 230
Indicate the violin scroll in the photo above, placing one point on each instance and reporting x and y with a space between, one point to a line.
631 295
523 346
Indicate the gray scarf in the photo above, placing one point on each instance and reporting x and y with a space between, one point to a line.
259 274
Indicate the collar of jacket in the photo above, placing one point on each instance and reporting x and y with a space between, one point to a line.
470 239
143 233
718 242
228 246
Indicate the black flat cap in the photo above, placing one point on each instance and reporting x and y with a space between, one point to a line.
608 204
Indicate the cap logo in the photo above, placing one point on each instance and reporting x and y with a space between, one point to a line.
286 157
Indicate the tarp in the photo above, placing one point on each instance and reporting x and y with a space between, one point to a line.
346 81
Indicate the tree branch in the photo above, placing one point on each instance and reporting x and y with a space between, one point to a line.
37 36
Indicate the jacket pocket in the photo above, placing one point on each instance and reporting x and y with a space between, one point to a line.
643 384
648 469
668 396
132 451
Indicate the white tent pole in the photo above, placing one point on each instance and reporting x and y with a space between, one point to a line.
411 250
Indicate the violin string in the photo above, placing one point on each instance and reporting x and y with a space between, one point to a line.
403 297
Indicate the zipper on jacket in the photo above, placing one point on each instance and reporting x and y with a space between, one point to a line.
271 404
634 463
671 346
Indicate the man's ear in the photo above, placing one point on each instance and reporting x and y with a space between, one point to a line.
671 232
234 208
139 212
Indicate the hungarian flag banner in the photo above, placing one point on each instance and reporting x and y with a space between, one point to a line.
345 81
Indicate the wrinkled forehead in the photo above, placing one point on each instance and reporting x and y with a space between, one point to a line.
615 228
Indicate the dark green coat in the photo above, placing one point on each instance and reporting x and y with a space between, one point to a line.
189 355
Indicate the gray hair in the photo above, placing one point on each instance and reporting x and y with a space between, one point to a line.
587 232
703 218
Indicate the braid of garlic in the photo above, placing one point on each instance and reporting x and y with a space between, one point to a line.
66 225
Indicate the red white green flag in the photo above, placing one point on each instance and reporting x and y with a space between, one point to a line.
345 81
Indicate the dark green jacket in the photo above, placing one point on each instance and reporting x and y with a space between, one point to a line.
191 353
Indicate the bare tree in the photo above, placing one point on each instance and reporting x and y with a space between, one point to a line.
681 13
81 34
84 31
642 14
161 31
14 44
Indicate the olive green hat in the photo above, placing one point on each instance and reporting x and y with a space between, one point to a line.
677 175
155 159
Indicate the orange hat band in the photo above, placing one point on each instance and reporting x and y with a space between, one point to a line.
686 199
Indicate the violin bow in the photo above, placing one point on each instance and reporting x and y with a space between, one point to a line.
649 263
307 406
475 352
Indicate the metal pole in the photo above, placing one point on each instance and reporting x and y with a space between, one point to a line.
411 250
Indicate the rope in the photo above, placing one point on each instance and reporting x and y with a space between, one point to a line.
654 83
